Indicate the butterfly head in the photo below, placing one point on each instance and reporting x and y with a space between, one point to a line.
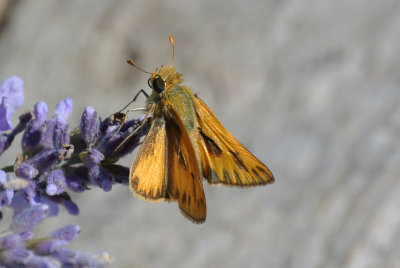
165 78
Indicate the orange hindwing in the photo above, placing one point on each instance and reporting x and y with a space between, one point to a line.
184 179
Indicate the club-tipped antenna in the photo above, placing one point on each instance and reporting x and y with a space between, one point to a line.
131 62
171 39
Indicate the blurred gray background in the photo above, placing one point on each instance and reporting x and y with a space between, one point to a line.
312 88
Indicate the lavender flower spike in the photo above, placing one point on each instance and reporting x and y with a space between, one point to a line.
53 161
18 247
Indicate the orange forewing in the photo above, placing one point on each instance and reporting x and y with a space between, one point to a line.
224 160
148 170
184 178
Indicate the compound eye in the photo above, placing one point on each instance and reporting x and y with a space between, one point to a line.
158 85
149 83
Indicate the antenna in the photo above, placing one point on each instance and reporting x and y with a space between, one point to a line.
171 39
131 62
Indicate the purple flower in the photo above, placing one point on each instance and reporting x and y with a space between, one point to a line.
7 139
6 113
100 177
11 98
33 134
67 233
20 249
6 197
119 173
29 218
78 259
15 257
44 160
42 133
56 183
48 133
70 206
61 135
92 158
3 177
40 111
26 171
4 142
13 88
30 193
49 246
77 181
90 126
116 145
10 241
64 108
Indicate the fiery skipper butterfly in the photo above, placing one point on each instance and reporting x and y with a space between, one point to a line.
186 142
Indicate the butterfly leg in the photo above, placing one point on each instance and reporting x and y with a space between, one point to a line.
137 129
124 116
134 99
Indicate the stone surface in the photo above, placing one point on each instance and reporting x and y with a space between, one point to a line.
312 88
